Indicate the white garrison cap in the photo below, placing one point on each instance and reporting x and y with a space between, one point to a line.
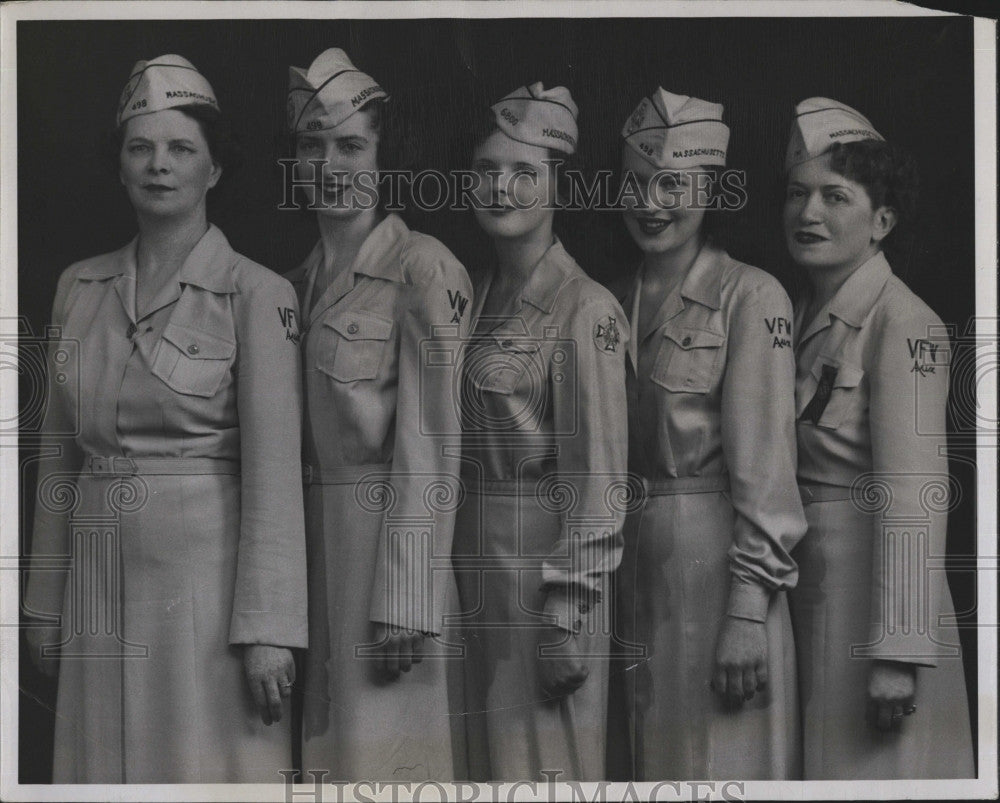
539 116
329 92
163 83
819 123
677 132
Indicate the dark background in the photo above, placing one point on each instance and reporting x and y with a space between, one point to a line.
911 77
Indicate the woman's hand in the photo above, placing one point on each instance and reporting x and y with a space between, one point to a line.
37 638
561 668
400 648
740 660
892 689
270 672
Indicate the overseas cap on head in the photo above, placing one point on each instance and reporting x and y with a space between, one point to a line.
539 116
164 83
820 122
329 92
677 132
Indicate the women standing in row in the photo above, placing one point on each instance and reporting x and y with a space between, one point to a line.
871 390
184 466
711 432
376 299
544 450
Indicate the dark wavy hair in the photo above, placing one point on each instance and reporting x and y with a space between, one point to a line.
223 145
887 172
393 151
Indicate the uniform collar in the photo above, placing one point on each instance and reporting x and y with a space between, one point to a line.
703 282
857 295
378 256
553 270
203 267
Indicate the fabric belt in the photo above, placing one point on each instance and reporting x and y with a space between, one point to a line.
117 466
675 486
346 475
823 493
667 487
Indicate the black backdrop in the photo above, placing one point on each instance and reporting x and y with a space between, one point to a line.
911 77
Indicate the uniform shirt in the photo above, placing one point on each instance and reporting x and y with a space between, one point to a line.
545 397
210 370
881 414
711 394
382 349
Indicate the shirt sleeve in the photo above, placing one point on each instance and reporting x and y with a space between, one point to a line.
415 541
57 477
907 415
270 599
758 440
590 419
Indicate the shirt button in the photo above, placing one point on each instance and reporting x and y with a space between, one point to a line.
193 348
686 341
352 329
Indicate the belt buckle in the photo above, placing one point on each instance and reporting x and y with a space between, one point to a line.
123 465
307 474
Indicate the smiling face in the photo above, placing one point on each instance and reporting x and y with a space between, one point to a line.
669 218
830 224
165 164
345 151
517 182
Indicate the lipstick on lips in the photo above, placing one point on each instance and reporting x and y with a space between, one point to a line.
807 238
651 226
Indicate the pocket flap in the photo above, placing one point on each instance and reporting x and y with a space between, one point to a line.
689 337
197 344
847 375
513 345
355 325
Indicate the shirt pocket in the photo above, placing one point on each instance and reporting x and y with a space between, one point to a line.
688 360
498 364
355 348
845 394
192 361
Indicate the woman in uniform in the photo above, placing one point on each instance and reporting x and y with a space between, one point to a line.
544 463
871 388
711 433
177 495
384 311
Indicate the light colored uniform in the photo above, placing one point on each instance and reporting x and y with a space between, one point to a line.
711 431
883 421
544 462
382 349
191 541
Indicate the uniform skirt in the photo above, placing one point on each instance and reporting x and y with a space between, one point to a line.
513 730
357 725
150 691
673 587
831 607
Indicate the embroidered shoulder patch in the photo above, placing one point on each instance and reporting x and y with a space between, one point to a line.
606 334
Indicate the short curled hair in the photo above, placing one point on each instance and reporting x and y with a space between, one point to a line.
887 172
223 146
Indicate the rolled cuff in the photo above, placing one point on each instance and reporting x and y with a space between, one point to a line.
748 600
568 607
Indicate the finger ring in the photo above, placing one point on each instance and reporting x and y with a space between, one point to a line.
286 685
910 710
